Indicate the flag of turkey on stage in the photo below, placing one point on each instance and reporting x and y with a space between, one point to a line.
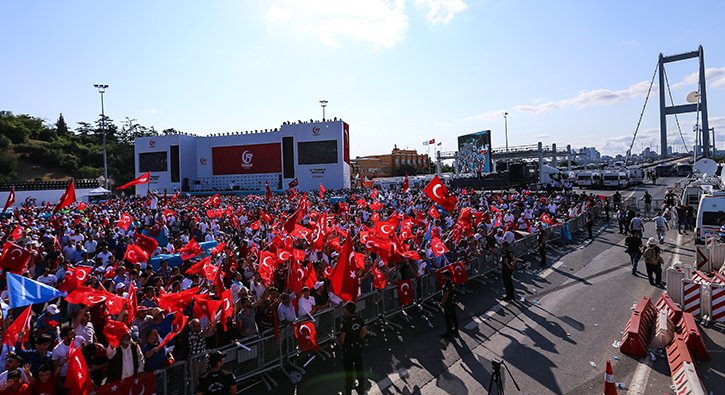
130 386
144 179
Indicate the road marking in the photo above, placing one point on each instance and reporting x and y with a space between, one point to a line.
641 375
477 320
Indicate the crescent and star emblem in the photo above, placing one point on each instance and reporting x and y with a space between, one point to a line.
12 254
439 248
300 274
435 191
81 274
309 332
386 229
93 299
403 288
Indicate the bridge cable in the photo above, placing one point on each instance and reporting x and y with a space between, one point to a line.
641 115
673 103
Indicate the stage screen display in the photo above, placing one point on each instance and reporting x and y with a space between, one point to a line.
474 152
247 159
152 161
317 152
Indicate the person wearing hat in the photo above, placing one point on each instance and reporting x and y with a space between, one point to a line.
351 334
448 305
126 360
507 270
321 297
653 261
142 322
48 322
217 381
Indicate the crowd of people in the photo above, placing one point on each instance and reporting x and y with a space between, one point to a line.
194 273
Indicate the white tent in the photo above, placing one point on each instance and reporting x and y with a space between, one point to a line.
99 191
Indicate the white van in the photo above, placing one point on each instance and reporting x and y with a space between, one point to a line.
709 213
616 179
589 179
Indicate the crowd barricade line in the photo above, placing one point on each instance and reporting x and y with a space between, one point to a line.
368 309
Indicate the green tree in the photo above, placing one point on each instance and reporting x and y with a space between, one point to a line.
60 126
565 163
406 169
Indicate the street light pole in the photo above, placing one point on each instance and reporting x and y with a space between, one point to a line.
323 103
506 128
102 90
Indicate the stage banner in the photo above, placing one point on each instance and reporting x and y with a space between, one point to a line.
247 159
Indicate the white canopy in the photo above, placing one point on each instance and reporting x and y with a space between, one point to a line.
99 191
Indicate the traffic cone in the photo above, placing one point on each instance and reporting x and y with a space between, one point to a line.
609 387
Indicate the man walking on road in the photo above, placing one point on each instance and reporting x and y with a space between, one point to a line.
661 226
507 271
634 249
637 225
622 219
653 260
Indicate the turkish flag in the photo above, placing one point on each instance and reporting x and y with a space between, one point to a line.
169 213
439 194
406 184
411 255
190 250
11 199
146 243
74 278
210 213
90 296
177 325
17 232
310 276
78 380
344 279
14 257
132 303
405 292
322 191
21 323
68 198
227 309
433 211
267 264
384 228
205 306
378 245
291 222
125 221
114 330
375 206
135 254
177 301
144 179
218 248
295 276
547 219
130 386
306 336
439 248
200 266
267 190
459 272
81 206
214 200
378 278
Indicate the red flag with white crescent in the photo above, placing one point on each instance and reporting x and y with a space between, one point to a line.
406 184
133 385
306 336
11 199
439 194
68 198
78 380
144 179
405 292
439 248
125 221
177 325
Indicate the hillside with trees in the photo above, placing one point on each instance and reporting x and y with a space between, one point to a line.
26 140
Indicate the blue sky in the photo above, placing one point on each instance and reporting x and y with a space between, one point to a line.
399 72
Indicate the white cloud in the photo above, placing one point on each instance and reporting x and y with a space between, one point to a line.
443 124
593 98
631 42
542 136
488 116
441 10
277 14
710 74
151 110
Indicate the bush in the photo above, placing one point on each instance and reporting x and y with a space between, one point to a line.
8 163
89 172
5 142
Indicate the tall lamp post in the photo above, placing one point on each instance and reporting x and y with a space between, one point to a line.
506 128
323 103
102 90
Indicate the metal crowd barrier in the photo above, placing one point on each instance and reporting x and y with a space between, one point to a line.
255 357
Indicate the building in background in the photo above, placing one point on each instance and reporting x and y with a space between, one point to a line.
387 165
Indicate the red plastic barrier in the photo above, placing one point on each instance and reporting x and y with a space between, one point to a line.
677 354
636 333
665 303
685 378
691 336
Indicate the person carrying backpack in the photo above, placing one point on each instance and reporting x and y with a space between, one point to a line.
653 261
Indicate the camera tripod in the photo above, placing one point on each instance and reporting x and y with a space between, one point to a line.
496 377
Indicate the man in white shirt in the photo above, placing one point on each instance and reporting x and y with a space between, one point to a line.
104 254
60 352
47 278
306 304
125 352
285 311
82 325
90 246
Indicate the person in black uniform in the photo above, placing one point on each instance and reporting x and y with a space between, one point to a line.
448 304
351 334
217 381
541 240
507 271
590 222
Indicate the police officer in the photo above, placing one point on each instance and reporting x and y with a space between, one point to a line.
541 240
351 334
218 381
448 304
507 270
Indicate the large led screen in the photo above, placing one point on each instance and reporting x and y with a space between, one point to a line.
317 152
152 161
247 159
474 152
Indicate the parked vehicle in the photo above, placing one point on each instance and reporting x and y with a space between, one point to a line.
710 212
589 179
616 179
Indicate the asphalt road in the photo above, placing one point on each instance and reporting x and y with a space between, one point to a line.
556 341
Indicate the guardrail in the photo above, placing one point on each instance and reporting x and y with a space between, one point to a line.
256 357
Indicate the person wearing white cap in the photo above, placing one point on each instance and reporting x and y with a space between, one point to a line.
48 322
653 261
